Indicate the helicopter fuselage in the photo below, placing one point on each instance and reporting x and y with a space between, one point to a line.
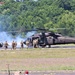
51 39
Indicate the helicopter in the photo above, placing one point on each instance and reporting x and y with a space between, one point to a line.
47 38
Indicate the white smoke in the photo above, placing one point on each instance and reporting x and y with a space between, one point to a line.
4 36
29 34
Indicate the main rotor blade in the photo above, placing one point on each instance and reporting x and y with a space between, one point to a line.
57 28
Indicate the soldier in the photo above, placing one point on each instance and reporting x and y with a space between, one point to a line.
22 46
35 43
27 43
13 45
6 45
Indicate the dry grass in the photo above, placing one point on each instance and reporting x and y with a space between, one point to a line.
38 59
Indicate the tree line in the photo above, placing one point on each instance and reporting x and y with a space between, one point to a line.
31 14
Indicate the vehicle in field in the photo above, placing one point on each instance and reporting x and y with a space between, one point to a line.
46 39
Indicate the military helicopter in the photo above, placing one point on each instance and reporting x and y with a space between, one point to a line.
46 38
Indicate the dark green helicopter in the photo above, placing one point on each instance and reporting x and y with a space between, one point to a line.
48 38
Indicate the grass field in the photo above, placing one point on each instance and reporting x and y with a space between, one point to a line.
43 59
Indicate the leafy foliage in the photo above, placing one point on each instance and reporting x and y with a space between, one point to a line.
41 13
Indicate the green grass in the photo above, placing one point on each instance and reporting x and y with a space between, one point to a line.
37 53
18 59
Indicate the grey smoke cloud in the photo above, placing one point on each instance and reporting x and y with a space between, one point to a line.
29 34
4 36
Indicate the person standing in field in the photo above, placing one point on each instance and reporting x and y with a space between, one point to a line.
13 45
22 45
6 45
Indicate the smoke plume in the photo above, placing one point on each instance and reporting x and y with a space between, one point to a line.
4 36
